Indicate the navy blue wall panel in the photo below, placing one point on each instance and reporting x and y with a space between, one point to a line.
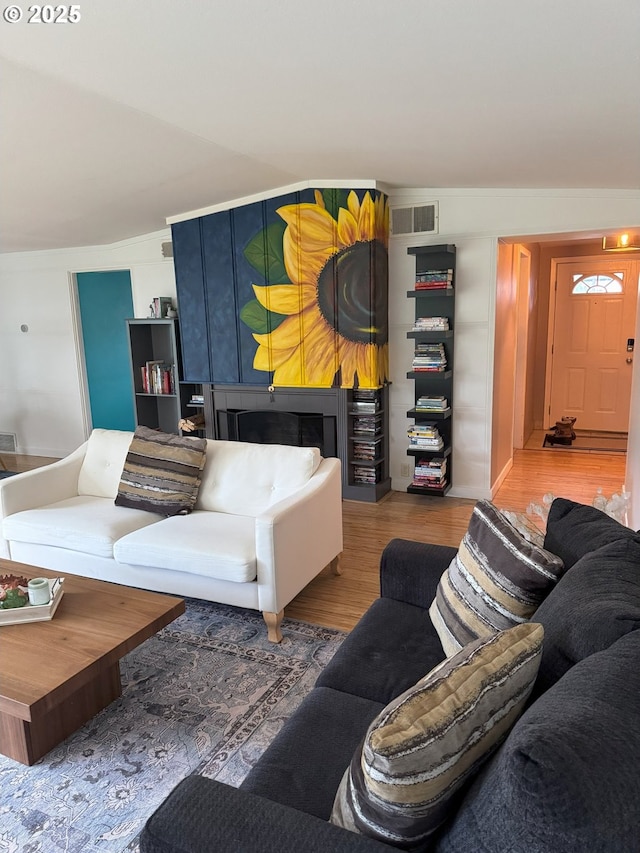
222 304
192 314
248 222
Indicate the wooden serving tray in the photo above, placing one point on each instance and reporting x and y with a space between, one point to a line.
35 612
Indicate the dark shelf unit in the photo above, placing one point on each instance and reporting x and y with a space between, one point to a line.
367 479
157 340
434 303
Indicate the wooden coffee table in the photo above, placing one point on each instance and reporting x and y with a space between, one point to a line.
56 675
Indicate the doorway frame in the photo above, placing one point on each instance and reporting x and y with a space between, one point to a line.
81 364
522 263
553 279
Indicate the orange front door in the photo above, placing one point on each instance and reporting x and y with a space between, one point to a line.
595 317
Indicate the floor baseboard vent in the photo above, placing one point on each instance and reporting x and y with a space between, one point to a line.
8 442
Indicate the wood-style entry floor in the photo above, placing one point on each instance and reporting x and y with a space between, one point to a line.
339 601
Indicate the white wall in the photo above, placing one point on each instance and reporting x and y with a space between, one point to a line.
40 382
474 220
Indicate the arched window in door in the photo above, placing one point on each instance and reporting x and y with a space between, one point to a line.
599 283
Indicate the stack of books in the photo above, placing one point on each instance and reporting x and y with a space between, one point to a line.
429 357
365 406
366 475
367 451
430 473
434 280
431 324
367 425
425 436
435 403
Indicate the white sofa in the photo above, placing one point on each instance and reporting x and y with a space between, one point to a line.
267 520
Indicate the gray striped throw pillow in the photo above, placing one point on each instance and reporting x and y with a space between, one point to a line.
496 580
162 472
421 749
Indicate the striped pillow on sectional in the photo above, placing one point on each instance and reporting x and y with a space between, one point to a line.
497 580
429 741
162 472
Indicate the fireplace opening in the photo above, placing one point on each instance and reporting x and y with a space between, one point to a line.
265 426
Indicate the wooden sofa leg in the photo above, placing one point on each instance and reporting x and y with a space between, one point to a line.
273 620
336 568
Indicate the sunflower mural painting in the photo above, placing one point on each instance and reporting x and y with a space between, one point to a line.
321 318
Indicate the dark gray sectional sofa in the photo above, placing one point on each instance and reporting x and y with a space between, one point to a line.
565 780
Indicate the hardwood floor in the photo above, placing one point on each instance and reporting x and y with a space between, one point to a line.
339 601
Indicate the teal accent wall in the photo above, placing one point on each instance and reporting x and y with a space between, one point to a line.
105 303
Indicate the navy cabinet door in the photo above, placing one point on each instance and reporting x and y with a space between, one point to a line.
222 299
192 302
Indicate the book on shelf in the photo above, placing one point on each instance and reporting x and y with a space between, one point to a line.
431 467
360 407
366 394
433 285
430 473
158 378
367 450
367 475
434 275
429 356
425 435
431 324
433 404
423 430
429 484
371 424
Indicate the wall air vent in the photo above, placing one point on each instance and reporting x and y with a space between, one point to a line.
414 220
7 442
167 249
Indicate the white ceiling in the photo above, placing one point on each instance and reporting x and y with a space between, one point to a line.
148 108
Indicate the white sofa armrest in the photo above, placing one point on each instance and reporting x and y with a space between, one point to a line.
298 536
40 487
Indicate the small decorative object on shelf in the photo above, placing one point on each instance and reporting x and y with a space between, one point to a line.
432 369
160 307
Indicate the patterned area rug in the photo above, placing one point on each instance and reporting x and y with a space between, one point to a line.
206 695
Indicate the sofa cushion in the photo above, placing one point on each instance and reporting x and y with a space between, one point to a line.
303 764
593 605
496 580
574 529
203 543
366 664
161 472
421 749
103 462
246 479
86 524
566 779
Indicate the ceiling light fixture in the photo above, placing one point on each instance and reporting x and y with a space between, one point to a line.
625 242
